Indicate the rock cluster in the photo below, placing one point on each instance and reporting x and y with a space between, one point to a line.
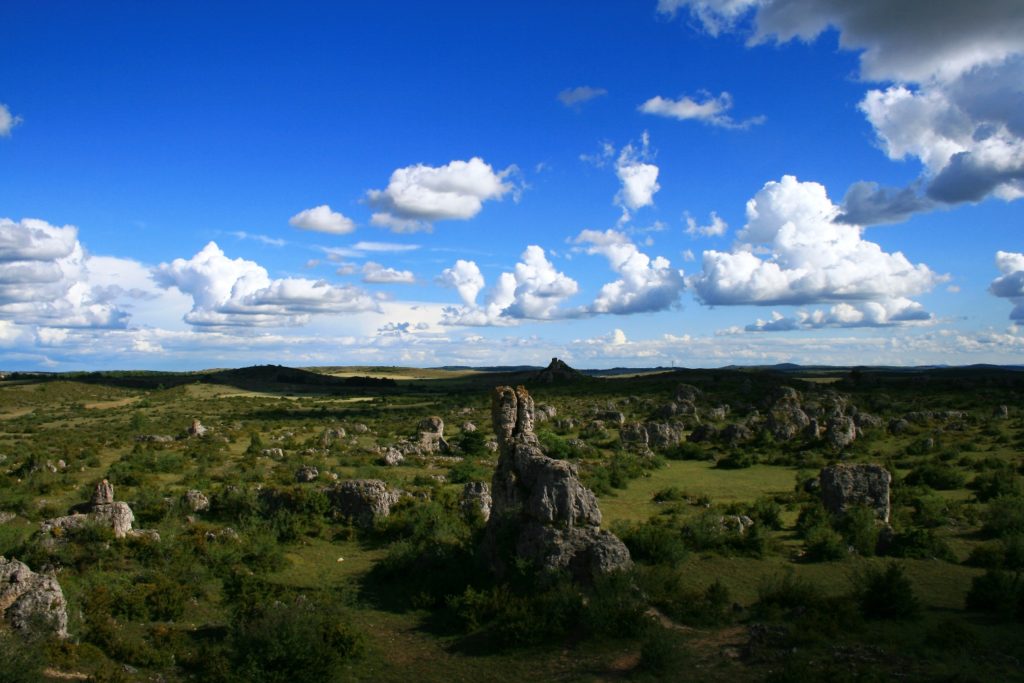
363 501
306 474
650 435
392 457
786 417
101 510
539 507
28 599
845 485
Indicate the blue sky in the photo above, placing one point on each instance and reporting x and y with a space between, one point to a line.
188 185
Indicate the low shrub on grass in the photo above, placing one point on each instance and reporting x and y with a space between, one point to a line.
936 475
998 591
653 541
886 593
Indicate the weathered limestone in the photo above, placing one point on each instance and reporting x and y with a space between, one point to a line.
196 429
392 457
196 501
786 418
101 509
431 435
539 505
306 474
840 432
476 497
845 485
28 599
363 501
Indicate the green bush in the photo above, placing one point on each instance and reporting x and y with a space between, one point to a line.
997 591
1004 516
886 593
653 541
859 529
822 543
473 444
936 475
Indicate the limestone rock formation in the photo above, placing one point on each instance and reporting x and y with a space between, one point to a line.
786 418
539 505
196 501
101 509
196 429
545 412
28 599
306 474
687 392
476 497
363 501
468 427
392 457
844 486
840 432
430 437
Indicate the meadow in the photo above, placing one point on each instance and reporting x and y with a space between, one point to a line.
272 582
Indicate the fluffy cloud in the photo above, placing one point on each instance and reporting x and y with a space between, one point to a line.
322 219
418 195
534 290
712 110
865 314
716 228
7 121
955 101
377 274
466 278
44 278
1010 284
644 284
639 178
791 251
237 292
573 97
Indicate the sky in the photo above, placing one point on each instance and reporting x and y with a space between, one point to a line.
697 183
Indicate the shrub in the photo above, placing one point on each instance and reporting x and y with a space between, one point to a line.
688 451
473 444
737 460
766 512
1004 516
859 530
824 544
997 591
666 589
886 593
1002 481
653 541
920 543
936 475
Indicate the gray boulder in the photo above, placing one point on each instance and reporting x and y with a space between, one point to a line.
392 457
430 437
633 435
540 504
476 498
306 474
845 485
363 501
196 501
840 432
196 429
545 412
786 417
100 510
28 599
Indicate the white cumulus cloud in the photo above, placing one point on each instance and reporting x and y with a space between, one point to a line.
416 196
7 121
534 290
238 292
1010 285
791 251
638 176
644 284
322 219
710 110
375 273
716 228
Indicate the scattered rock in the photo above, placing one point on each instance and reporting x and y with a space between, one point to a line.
687 392
840 432
101 509
360 428
196 501
844 486
196 429
594 430
392 457
306 474
431 435
1001 412
786 418
154 438
737 523
544 412
540 504
476 497
612 416
276 453
633 435
468 427
330 435
719 412
363 501
898 426
28 599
